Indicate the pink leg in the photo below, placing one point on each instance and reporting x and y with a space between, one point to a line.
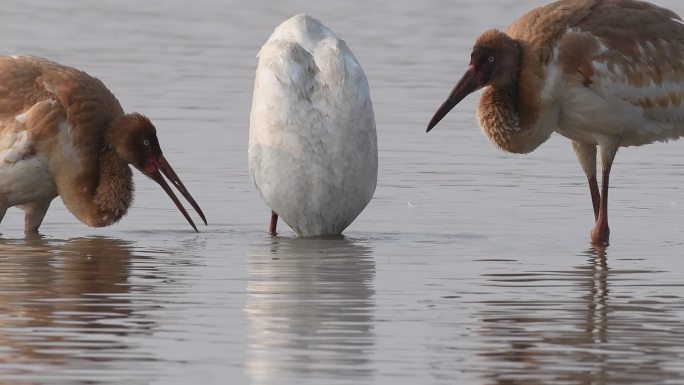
595 196
601 232
274 223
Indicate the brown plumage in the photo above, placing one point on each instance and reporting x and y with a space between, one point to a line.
62 132
603 73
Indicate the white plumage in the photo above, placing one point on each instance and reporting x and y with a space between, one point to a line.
312 141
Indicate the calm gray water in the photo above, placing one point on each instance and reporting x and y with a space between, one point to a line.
470 266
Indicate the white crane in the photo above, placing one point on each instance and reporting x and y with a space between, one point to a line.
312 143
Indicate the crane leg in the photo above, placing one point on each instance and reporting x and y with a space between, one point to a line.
34 214
274 224
601 232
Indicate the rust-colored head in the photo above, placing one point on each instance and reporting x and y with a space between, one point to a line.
495 61
134 139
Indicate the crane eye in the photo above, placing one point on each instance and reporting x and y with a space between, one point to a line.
490 59
146 142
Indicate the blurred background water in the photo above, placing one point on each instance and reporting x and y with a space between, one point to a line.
470 266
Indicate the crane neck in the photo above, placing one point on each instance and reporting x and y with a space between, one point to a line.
511 116
114 192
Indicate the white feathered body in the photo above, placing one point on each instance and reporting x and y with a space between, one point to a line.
312 140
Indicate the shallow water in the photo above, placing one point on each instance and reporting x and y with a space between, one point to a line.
470 266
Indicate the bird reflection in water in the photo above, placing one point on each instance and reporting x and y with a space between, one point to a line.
310 309
596 296
592 325
64 303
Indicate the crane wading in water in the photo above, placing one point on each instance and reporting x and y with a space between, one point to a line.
63 133
603 73
312 144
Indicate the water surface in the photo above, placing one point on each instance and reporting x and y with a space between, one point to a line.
470 266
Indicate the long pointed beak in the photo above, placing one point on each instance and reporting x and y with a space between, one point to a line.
468 84
153 171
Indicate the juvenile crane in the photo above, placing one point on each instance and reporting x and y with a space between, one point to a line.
63 133
312 145
603 73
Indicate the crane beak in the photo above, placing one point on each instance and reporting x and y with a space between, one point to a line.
154 168
469 83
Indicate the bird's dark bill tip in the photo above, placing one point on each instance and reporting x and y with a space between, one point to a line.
168 171
435 119
157 177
